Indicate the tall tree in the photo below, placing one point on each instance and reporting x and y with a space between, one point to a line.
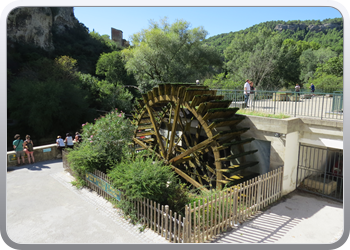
170 53
257 56
112 67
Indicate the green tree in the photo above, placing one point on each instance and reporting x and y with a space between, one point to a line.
170 53
329 75
104 95
256 56
310 59
112 67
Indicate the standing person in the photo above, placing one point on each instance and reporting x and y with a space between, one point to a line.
18 147
312 87
28 148
197 82
60 144
252 92
69 140
246 92
77 137
297 88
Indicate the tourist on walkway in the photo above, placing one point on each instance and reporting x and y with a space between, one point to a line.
312 87
251 94
28 148
60 144
69 141
77 137
246 92
18 147
297 88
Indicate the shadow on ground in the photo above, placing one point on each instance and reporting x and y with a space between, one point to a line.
37 166
297 212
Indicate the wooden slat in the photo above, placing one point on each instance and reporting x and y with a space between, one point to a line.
198 99
241 142
226 122
219 113
237 155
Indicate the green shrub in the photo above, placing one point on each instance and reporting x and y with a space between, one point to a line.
145 177
104 143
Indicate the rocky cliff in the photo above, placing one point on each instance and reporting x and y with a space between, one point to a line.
34 24
315 28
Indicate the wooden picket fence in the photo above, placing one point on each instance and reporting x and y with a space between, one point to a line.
209 216
223 210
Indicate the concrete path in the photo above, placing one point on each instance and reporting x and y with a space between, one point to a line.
43 207
300 218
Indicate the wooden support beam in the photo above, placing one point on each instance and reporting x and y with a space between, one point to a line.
173 130
203 144
155 129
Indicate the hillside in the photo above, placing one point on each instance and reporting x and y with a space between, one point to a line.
328 33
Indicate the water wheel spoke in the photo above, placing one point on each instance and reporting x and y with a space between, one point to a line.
178 122
172 136
199 147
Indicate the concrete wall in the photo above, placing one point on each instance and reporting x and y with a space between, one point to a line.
285 136
41 153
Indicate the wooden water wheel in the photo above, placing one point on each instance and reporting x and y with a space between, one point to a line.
193 130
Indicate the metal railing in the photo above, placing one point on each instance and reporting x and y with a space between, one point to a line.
296 104
320 171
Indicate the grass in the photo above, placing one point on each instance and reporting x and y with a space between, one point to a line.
262 114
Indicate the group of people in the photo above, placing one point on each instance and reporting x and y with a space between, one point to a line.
22 147
68 141
248 93
27 146
312 87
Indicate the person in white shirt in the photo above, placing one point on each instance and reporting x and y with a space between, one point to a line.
60 143
246 92
69 140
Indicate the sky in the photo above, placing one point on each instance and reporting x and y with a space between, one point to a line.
215 20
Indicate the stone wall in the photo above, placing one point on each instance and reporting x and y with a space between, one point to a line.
41 153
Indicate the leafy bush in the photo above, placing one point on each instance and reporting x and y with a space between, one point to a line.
145 177
104 143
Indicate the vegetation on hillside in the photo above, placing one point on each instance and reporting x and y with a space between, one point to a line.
51 93
275 59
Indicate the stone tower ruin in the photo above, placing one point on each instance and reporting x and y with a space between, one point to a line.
117 36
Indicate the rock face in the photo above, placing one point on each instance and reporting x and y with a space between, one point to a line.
34 25
315 28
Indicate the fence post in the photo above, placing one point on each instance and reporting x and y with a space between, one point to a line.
259 192
274 102
295 109
322 107
185 226
166 220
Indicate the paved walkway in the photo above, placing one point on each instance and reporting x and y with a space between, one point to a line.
300 218
43 207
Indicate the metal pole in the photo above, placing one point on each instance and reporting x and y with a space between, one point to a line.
295 109
325 171
274 103
322 106
296 182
